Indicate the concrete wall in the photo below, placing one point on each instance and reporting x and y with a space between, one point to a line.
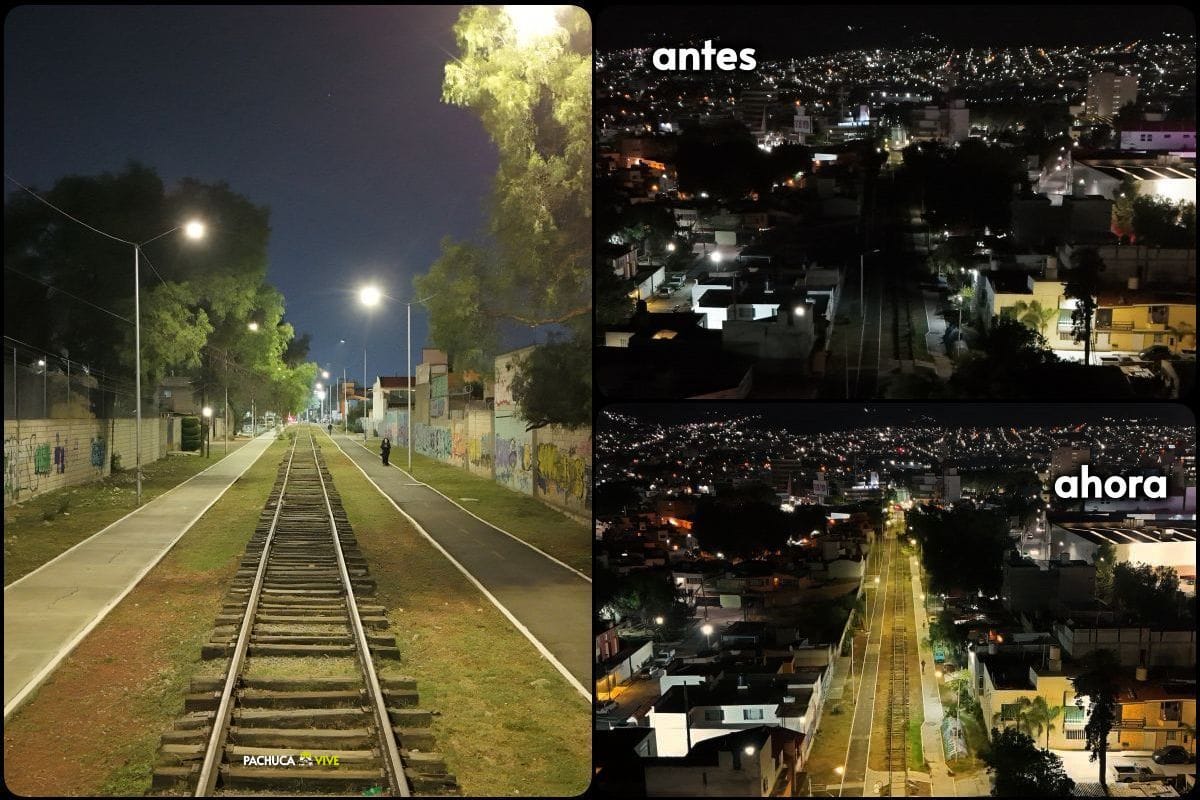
553 464
562 467
43 455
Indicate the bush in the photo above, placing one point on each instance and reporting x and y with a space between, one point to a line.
189 433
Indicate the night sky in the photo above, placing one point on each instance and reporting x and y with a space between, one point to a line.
330 116
816 417
806 29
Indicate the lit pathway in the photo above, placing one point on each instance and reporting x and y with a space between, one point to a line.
50 610
855 776
931 731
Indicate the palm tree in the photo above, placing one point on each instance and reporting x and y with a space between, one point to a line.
1034 315
1037 716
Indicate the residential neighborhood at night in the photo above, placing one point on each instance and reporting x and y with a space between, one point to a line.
913 211
817 599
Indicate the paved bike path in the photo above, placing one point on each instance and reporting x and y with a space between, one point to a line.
552 601
50 610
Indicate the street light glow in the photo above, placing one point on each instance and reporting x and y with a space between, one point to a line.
658 620
253 326
715 257
370 296
194 229
749 749
206 411
532 22
707 630
325 374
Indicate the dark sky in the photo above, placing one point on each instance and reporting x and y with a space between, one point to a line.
816 417
331 116
801 30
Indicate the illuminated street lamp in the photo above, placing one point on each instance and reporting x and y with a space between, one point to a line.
659 620
532 22
707 631
207 413
253 326
193 229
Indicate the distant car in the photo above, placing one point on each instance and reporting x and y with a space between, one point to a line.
664 290
1132 774
1171 754
1156 352
606 707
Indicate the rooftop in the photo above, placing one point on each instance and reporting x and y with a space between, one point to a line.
1118 533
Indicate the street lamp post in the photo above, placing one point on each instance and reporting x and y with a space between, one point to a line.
707 631
193 230
369 296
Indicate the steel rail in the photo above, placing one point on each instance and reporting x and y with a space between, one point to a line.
386 735
210 768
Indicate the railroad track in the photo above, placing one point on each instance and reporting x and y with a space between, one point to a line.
898 711
300 706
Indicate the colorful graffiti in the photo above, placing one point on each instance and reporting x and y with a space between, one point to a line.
567 474
41 460
432 441
514 464
21 467
60 455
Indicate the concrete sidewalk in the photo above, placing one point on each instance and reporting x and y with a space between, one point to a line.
931 730
551 601
49 611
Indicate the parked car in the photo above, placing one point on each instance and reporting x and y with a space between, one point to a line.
606 706
1155 352
1129 773
664 290
1171 754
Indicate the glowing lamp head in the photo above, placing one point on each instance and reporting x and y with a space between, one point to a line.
325 374
749 750
532 22
207 412
370 296
707 630
253 326
670 247
194 229
715 257
659 620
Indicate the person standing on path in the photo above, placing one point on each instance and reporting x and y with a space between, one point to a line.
384 449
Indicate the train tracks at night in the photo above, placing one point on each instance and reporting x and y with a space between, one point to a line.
302 596
898 696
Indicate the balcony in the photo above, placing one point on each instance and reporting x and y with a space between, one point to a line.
1131 723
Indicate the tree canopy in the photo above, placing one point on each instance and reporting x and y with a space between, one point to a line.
1020 769
69 290
534 100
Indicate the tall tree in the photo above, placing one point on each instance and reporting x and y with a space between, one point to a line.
533 97
1082 285
1020 769
68 284
1099 683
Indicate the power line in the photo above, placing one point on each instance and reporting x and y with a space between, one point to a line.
68 294
64 213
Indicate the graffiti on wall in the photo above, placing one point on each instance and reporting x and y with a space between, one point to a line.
60 455
514 464
98 452
21 466
432 441
567 474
